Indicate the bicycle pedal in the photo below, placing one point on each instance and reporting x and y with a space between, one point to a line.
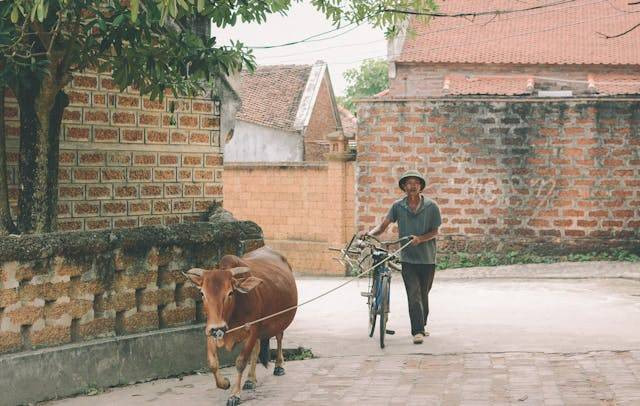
390 332
365 294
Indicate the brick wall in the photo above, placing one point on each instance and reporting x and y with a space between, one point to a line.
127 161
297 206
426 80
556 174
69 287
323 122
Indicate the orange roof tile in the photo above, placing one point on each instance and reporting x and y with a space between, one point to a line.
459 85
271 95
613 84
559 34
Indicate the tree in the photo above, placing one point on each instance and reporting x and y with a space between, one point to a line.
152 45
370 78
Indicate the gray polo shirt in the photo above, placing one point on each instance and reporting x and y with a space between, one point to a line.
425 219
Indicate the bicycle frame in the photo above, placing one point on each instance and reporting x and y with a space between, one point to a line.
376 280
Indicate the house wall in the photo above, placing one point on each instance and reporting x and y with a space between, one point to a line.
257 143
124 162
323 122
426 80
303 209
553 175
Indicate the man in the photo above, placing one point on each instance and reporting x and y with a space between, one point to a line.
419 218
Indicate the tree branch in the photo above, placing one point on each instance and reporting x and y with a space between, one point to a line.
44 37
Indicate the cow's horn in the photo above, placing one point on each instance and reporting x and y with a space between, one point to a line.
239 270
194 271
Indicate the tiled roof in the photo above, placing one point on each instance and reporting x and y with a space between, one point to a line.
560 34
349 122
461 85
271 95
616 84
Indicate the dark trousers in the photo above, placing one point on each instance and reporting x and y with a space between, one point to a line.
418 279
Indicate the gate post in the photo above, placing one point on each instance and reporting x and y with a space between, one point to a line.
340 216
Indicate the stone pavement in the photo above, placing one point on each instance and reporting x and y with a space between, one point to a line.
561 334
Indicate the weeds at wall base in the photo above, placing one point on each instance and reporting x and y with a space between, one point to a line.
466 260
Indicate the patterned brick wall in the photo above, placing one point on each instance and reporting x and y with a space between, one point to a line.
552 173
297 207
105 284
127 161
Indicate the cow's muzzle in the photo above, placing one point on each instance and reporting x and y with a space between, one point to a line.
218 332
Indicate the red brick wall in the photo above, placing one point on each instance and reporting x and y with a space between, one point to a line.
323 121
422 80
124 163
557 172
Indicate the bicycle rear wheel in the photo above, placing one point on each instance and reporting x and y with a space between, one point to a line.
384 307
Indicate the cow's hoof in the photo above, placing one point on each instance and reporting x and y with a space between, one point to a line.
248 385
225 384
278 371
233 401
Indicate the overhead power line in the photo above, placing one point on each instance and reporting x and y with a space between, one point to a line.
314 38
458 27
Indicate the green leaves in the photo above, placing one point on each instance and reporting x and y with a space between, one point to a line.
151 44
370 78
135 7
15 14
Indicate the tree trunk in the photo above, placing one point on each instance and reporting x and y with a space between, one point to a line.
48 111
26 165
55 124
6 222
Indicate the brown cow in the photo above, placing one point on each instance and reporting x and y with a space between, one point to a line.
245 289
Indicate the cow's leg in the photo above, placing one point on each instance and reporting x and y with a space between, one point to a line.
250 382
279 369
212 356
241 364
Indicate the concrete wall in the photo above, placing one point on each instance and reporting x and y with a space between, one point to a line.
127 161
302 208
524 173
256 143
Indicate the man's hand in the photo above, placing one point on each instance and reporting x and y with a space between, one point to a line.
415 240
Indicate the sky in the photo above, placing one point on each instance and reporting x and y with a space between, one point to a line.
347 50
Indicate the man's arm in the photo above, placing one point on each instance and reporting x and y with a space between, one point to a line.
419 239
380 228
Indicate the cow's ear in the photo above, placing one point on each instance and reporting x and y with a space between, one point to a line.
246 284
195 274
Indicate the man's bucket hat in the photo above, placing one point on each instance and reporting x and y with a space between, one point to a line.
412 173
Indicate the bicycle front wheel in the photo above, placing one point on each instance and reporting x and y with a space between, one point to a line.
372 315
384 308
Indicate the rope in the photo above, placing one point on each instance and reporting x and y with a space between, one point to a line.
247 325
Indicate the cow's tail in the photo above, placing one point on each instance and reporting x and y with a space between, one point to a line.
265 353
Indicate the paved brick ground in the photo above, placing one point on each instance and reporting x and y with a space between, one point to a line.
561 334
518 378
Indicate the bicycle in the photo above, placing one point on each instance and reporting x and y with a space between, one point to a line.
355 254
